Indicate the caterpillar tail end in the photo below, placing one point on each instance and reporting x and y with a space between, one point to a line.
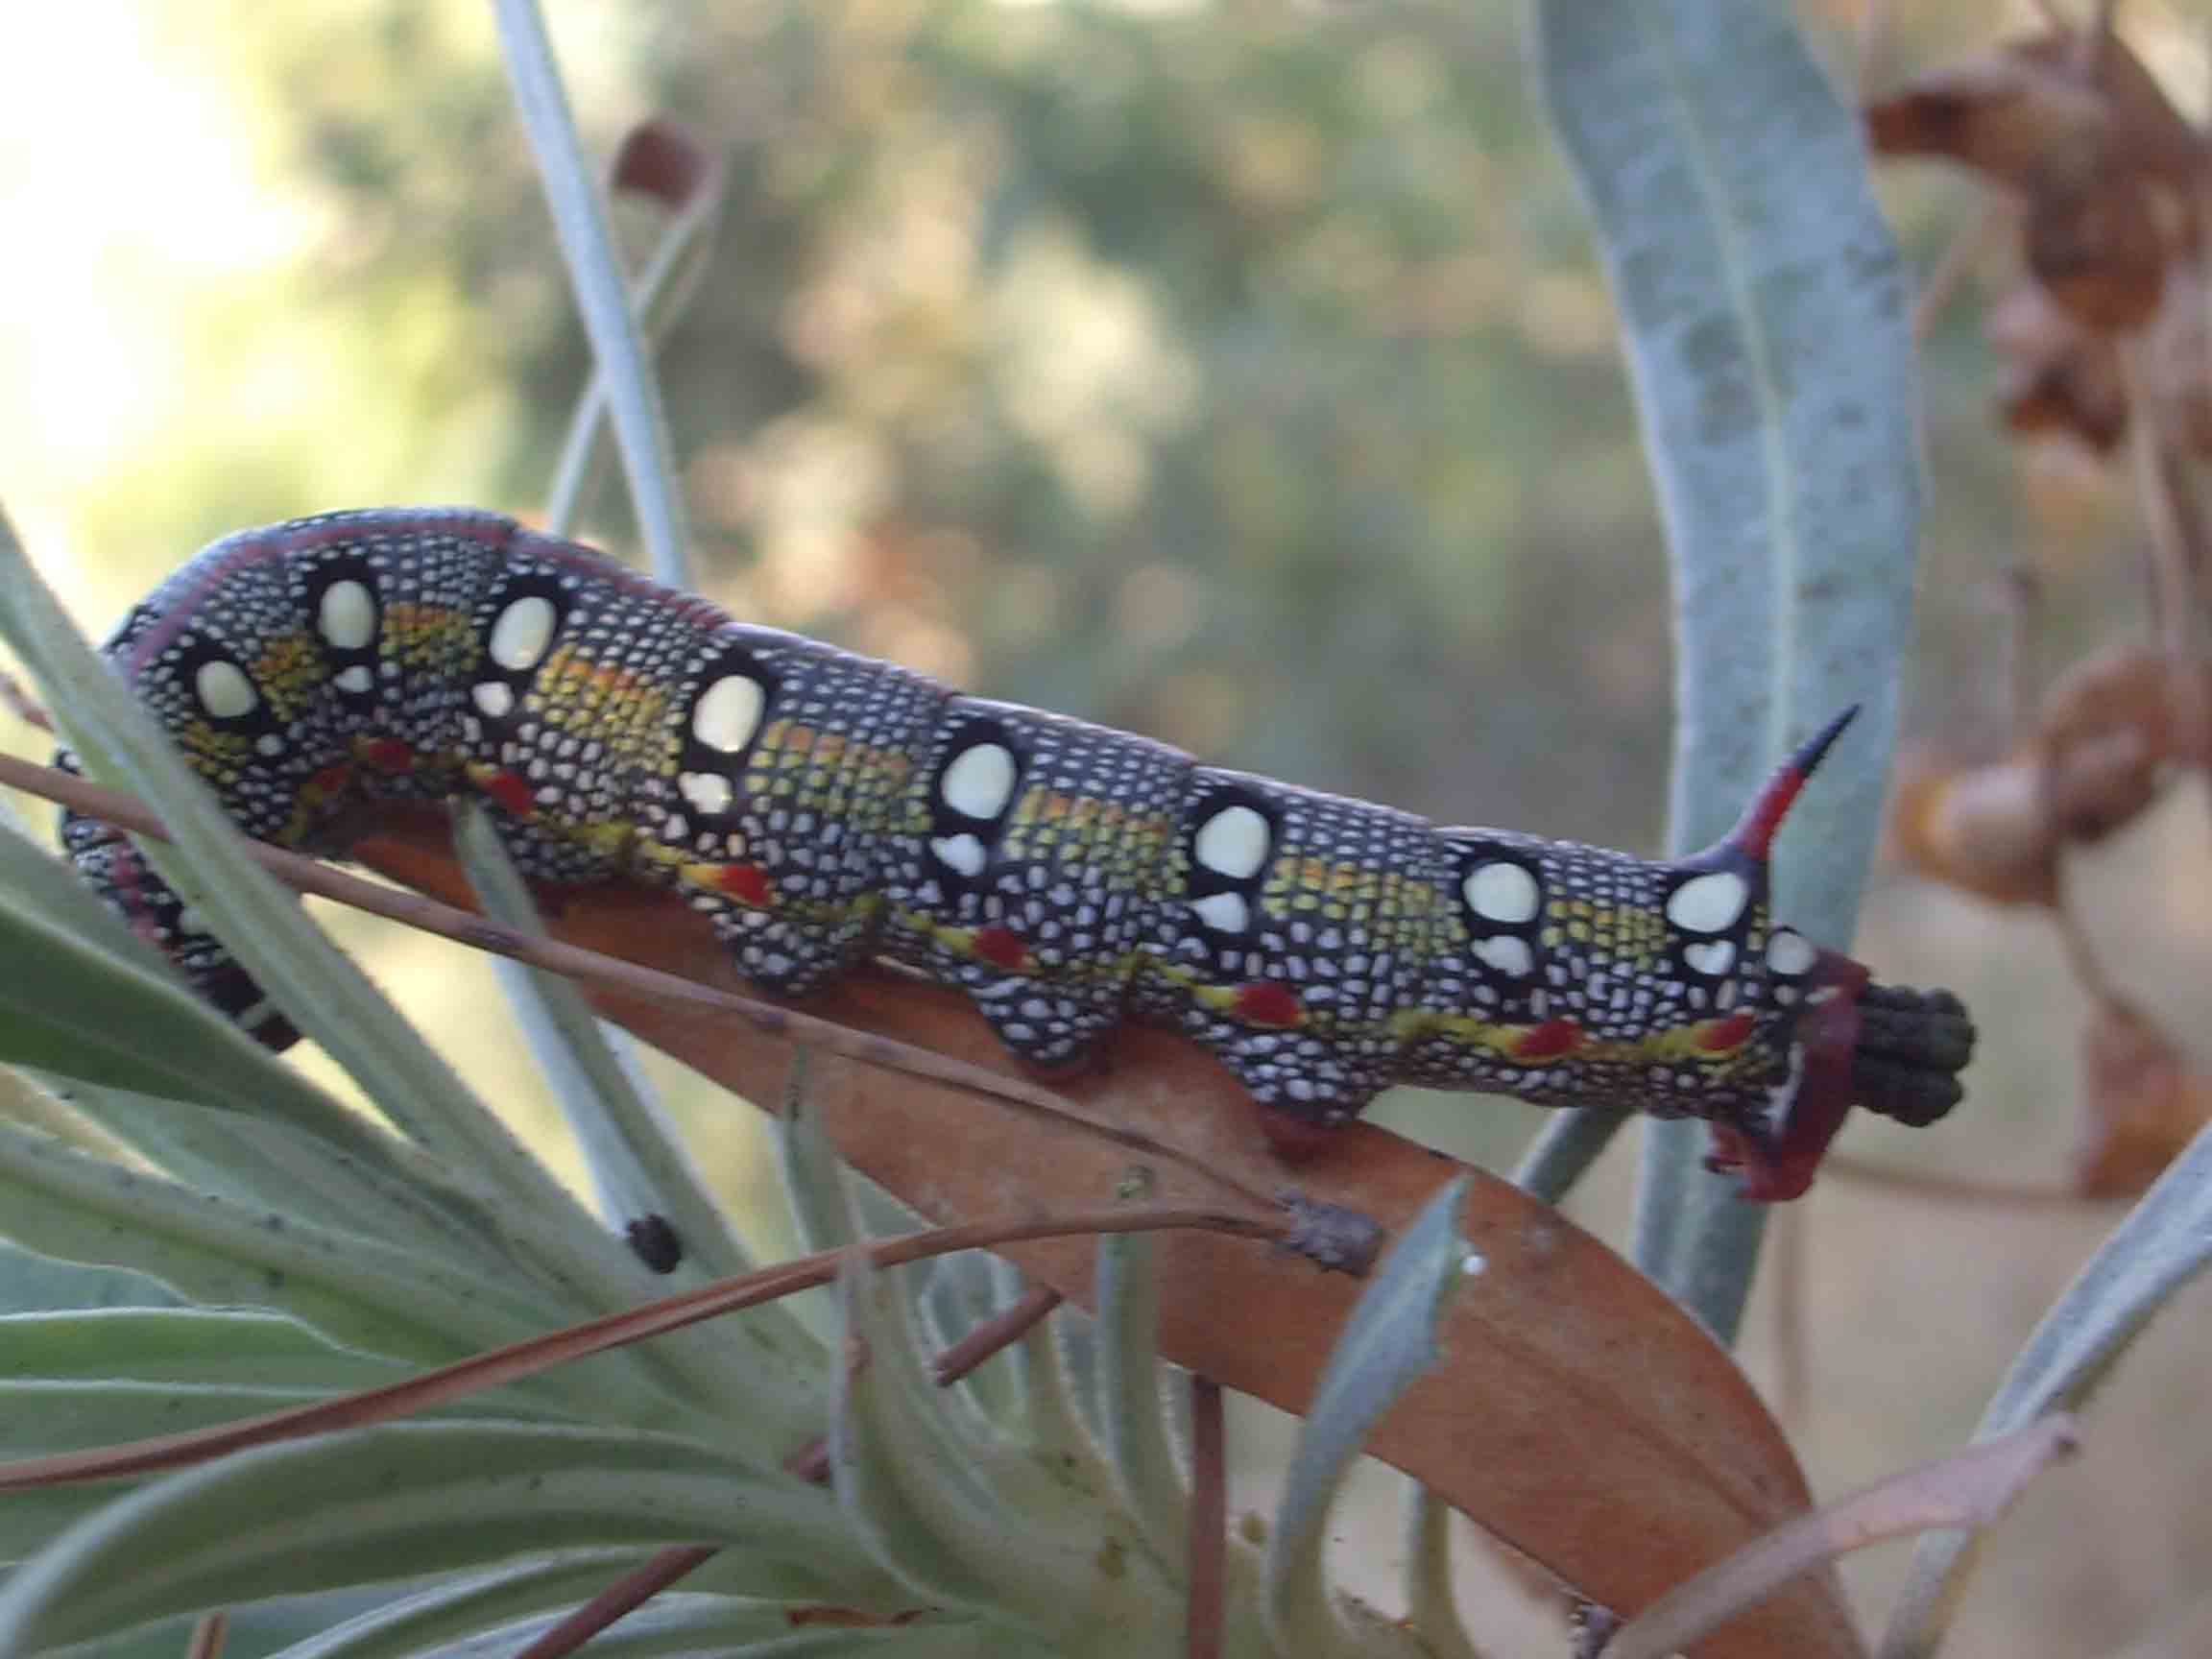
1892 1049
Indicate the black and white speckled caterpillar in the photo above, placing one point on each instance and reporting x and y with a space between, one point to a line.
817 806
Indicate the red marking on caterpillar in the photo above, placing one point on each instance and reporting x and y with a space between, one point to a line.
1548 1041
510 790
387 753
332 780
1754 833
1003 947
748 882
1720 1036
1263 1003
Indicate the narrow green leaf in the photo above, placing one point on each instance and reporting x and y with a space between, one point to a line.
1764 316
1430 1608
580 222
936 1507
460 1609
638 1163
389 1502
1132 1398
2161 1245
33 1284
1388 1341
361 1291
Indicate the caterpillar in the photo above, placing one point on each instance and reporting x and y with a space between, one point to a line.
818 807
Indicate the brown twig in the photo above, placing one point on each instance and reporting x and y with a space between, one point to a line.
1206 1575
428 915
208 1633
633 1590
533 1354
17 700
1002 1329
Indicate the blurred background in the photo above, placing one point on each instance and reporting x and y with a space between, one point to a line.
1239 372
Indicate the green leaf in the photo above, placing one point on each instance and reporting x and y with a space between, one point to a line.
31 1282
967 1521
401 1500
363 1292
1764 315
1132 1392
1387 1344
2163 1244
617 343
466 1604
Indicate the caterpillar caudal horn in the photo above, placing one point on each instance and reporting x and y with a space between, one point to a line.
817 807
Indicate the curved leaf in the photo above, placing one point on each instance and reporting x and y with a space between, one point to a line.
408 1498
1387 1343
1621 1478
2163 1244
1764 315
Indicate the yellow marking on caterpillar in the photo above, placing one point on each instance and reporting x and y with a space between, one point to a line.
423 635
288 672
1705 1041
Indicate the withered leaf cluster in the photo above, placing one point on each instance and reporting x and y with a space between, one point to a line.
2106 184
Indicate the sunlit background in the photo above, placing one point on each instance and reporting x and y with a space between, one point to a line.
1234 372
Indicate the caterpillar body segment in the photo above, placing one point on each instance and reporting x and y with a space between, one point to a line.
818 807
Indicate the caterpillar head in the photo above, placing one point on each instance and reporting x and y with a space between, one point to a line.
1590 977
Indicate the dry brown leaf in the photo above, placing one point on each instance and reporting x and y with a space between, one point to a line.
2002 112
2128 689
2096 249
2107 170
1580 1415
2060 377
2141 1103
1987 829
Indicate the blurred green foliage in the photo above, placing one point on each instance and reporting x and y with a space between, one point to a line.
1234 374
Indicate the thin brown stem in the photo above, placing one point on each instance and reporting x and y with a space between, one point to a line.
612 973
533 1354
631 1590
1207 1573
811 1462
208 1634
15 697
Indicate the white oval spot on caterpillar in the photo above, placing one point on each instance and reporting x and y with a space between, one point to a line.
495 697
1234 842
1501 891
1506 954
190 921
962 853
523 633
224 690
709 792
347 615
980 783
1790 953
269 745
1709 903
1712 958
728 713
356 678
1223 912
